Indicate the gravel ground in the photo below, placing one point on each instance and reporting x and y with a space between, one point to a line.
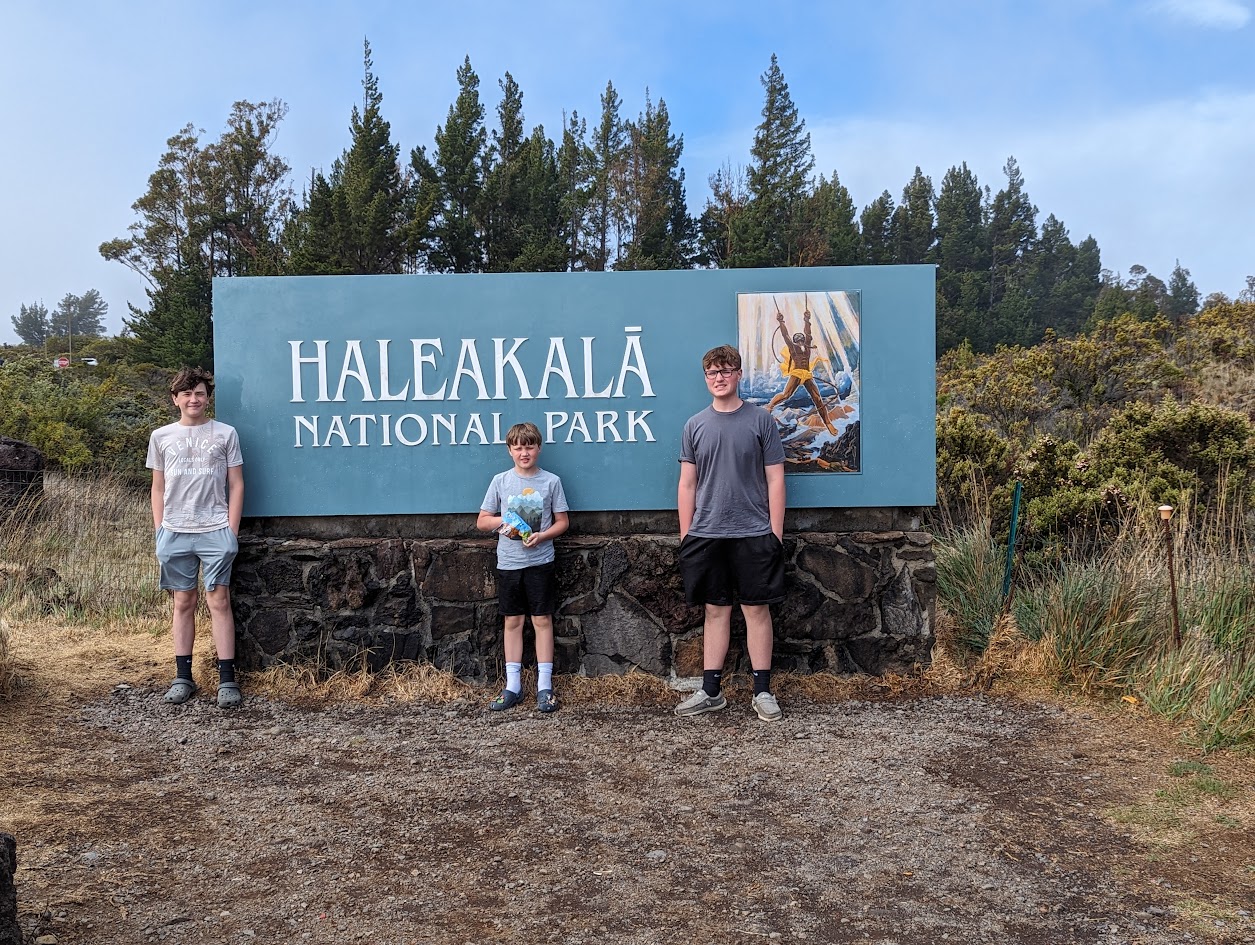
918 820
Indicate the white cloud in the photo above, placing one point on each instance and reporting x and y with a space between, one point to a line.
1213 14
1154 183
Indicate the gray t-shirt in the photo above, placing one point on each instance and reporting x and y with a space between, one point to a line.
535 498
730 451
194 460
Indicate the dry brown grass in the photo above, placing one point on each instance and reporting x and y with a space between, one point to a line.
8 664
1012 660
83 549
400 682
48 656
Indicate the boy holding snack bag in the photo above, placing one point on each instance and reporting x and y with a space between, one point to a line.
528 509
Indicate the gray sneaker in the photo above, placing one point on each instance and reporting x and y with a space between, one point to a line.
699 702
767 707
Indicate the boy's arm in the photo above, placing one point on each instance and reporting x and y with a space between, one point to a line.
488 521
561 522
686 497
775 498
158 497
235 497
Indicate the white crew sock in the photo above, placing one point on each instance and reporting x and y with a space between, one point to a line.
544 676
514 677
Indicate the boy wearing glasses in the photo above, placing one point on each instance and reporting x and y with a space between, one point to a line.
731 504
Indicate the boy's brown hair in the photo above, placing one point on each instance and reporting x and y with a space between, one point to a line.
523 434
189 377
723 356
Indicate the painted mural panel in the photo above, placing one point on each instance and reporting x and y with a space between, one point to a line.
800 354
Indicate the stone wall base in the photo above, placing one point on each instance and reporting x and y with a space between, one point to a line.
304 591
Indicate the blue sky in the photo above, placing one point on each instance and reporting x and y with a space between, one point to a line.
1132 120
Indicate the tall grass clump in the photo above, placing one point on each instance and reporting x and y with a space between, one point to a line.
969 582
81 551
1210 681
1099 622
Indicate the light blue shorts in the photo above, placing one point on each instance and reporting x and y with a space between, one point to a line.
182 553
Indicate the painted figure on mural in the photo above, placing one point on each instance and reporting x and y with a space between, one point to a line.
795 365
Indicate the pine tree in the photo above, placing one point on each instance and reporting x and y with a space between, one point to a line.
1063 282
770 231
208 211
660 229
353 220
1012 230
960 248
916 229
32 324
576 164
875 227
1182 295
450 185
312 237
79 315
831 235
543 246
503 197
609 172
962 255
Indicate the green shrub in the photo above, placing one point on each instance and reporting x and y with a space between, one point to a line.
78 418
1171 452
973 468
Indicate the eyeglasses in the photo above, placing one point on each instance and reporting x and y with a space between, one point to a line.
723 372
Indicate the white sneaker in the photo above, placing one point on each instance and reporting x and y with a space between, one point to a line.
767 707
699 702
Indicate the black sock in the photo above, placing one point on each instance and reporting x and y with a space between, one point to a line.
183 667
226 671
762 681
712 681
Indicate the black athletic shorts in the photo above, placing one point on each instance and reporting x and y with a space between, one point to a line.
527 591
725 571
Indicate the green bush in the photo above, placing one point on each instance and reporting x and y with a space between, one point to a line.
973 468
1172 453
79 417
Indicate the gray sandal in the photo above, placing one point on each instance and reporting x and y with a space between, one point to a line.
180 691
229 695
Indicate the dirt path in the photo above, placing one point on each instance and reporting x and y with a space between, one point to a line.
918 820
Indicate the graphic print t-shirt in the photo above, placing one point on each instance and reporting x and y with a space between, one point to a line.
535 499
195 460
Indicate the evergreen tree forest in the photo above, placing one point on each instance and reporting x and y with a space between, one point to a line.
492 193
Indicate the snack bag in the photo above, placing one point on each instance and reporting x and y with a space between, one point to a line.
513 526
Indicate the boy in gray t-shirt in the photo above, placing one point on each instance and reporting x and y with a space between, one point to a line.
197 503
731 505
528 509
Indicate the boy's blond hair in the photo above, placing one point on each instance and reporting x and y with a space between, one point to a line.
523 434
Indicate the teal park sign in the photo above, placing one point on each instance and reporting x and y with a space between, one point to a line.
372 395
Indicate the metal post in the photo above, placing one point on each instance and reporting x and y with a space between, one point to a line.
1165 514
